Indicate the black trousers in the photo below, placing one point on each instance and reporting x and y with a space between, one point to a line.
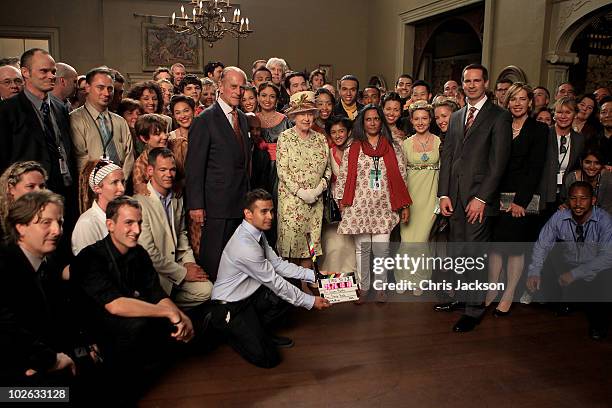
461 231
215 234
245 326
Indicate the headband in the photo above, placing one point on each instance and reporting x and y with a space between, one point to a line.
99 173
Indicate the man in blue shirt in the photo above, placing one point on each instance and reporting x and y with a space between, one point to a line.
584 266
251 292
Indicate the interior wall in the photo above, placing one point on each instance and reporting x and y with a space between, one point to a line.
95 32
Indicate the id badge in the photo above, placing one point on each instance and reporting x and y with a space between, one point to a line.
63 166
375 179
560 178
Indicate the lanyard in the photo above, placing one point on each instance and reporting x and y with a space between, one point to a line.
112 131
376 160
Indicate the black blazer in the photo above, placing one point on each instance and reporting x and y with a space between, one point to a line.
22 138
339 109
548 185
472 166
526 164
29 335
217 169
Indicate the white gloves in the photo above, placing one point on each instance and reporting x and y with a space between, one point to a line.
310 196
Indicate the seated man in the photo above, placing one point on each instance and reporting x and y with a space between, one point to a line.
584 261
134 319
34 336
107 181
164 235
250 291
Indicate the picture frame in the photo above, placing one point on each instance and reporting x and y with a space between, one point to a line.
161 46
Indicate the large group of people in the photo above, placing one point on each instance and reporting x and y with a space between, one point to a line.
188 212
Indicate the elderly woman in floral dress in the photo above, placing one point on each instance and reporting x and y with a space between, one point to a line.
303 175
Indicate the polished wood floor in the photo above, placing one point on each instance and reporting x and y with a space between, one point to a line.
405 355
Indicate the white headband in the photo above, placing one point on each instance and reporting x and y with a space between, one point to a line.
96 177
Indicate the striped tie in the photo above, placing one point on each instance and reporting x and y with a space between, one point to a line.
109 145
470 121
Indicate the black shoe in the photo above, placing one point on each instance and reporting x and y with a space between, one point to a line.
281 342
597 334
465 324
449 306
499 313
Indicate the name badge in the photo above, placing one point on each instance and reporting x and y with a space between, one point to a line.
375 179
63 166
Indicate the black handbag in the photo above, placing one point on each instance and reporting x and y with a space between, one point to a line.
331 212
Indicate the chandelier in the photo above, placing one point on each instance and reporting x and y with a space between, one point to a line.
207 20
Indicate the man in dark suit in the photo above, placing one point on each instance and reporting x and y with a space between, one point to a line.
474 158
217 168
34 126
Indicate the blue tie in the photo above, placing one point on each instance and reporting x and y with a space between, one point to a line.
109 144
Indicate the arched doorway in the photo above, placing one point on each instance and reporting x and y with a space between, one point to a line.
445 45
593 47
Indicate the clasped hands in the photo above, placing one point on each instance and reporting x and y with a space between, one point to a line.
310 195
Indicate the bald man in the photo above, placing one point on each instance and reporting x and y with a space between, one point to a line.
65 83
11 81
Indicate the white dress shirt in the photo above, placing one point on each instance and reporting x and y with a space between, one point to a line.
244 267
89 229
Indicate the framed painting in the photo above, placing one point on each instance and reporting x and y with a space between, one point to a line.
163 47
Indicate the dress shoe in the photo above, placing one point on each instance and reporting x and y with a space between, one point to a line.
499 313
282 342
597 333
449 306
465 324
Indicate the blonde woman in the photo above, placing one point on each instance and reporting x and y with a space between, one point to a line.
18 179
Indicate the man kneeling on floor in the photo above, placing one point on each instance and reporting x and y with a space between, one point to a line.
251 293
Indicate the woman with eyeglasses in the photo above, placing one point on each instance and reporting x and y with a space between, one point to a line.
565 146
592 171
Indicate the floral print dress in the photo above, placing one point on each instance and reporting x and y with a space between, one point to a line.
301 164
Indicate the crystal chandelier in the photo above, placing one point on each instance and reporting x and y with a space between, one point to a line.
207 20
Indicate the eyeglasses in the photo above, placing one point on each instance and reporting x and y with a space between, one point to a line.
16 81
579 233
563 148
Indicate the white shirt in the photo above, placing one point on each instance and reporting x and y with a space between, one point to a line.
563 157
478 107
245 266
89 229
227 110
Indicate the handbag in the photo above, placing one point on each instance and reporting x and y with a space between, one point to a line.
331 212
505 199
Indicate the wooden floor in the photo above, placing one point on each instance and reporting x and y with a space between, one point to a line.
405 355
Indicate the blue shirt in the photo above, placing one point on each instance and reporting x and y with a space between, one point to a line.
244 267
589 258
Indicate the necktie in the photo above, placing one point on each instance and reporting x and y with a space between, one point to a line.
236 126
107 139
48 127
470 120
262 244
579 233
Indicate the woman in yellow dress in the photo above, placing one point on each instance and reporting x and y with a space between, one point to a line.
422 158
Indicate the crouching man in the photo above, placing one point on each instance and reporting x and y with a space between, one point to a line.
251 292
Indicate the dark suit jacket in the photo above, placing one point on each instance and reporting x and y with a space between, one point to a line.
472 166
22 138
548 185
217 170
29 335
339 109
527 158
